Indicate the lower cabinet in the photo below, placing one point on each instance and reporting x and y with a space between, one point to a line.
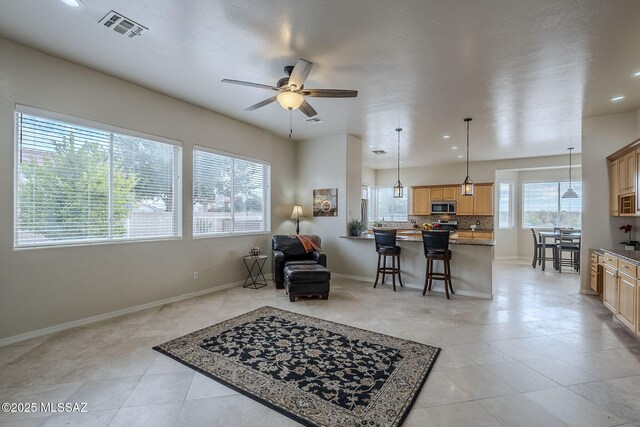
627 286
620 291
610 289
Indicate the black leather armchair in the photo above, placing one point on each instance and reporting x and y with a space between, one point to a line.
288 250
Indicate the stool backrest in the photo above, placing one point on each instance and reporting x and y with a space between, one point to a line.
435 241
535 238
385 238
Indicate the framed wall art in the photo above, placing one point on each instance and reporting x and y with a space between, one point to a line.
325 202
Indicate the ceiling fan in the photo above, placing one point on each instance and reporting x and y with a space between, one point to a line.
292 91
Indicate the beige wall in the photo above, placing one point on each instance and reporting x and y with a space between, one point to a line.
45 287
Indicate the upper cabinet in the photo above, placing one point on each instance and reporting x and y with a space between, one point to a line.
623 181
481 203
421 204
613 189
441 194
483 200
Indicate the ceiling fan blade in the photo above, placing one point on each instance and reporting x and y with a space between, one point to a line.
330 93
300 73
261 104
307 109
240 82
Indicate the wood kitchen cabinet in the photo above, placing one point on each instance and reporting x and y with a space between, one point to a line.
421 204
483 200
596 273
481 203
627 173
443 194
613 189
620 288
610 288
627 288
475 235
464 204
624 183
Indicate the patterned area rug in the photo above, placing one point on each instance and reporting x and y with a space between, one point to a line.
317 372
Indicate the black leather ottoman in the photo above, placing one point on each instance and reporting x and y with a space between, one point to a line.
306 280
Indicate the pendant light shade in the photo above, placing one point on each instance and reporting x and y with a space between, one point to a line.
398 189
467 184
570 194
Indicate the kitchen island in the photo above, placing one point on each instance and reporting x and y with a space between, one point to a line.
471 263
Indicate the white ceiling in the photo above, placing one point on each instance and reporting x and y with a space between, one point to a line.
527 71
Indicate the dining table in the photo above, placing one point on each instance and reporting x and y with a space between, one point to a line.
573 235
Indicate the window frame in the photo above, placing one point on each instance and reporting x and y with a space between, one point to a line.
376 200
512 206
559 183
102 127
266 190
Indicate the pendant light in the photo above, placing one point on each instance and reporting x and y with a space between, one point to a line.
467 185
398 189
570 194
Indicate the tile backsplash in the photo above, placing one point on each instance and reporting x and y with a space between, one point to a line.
464 222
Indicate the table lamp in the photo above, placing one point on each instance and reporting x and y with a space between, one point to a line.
297 214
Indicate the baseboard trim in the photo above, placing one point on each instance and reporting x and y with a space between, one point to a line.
87 320
417 286
349 276
588 292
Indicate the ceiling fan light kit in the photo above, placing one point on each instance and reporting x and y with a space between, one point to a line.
290 100
467 184
292 91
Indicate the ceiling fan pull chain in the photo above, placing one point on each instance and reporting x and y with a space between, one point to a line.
290 123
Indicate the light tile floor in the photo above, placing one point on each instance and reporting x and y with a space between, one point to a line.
539 353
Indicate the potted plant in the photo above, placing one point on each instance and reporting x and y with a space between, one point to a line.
629 245
355 227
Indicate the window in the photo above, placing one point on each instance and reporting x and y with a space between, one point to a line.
544 207
230 195
505 202
79 182
389 208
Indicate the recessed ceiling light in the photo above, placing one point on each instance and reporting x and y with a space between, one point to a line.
636 74
370 145
617 98
460 156
454 148
73 3
446 136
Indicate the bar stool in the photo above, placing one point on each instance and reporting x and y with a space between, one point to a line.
436 248
386 246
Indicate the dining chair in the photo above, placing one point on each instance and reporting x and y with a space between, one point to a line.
537 249
568 242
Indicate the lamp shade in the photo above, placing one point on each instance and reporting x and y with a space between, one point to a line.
570 194
290 100
297 212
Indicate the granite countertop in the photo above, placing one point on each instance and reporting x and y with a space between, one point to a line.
633 256
469 242
489 230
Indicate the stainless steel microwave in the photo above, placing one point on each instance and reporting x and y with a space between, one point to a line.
443 207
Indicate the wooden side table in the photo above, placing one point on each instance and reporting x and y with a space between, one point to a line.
256 262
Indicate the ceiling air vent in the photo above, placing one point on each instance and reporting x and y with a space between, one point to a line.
122 25
379 152
315 120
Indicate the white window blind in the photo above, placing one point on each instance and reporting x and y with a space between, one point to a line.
544 207
230 195
81 184
389 208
